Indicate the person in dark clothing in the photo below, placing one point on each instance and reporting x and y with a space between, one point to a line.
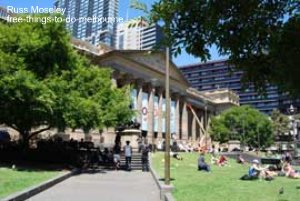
145 157
117 157
105 155
202 165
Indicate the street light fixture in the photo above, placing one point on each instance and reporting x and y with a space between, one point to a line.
205 124
167 135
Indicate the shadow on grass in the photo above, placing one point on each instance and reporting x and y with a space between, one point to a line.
27 166
92 171
163 179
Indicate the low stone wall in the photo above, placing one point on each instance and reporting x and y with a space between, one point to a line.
27 193
165 190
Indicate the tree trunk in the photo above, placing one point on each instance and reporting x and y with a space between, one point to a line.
25 139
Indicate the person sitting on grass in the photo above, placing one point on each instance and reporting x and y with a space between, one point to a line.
202 165
214 160
289 171
256 171
240 159
222 161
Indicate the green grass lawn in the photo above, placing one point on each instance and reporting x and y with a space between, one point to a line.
223 183
12 181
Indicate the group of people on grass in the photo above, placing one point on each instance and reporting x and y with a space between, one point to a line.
256 170
219 161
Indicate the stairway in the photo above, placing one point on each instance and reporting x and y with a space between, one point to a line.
136 161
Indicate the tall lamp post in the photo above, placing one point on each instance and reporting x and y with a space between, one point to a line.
167 135
205 125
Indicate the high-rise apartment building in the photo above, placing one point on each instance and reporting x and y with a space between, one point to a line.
137 34
93 32
216 74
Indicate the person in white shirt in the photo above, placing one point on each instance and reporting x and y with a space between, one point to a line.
128 154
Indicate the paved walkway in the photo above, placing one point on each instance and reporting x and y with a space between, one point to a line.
106 185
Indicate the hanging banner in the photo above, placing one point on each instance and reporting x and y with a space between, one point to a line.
134 99
164 116
133 95
144 112
173 117
156 111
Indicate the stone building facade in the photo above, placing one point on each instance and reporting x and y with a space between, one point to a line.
144 71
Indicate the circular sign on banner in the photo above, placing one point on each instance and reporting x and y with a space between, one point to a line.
144 111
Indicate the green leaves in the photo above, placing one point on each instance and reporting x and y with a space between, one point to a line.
138 5
32 42
245 124
25 100
259 37
280 123
44 82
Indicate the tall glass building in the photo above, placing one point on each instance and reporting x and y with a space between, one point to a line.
217 74
95 33
4 14
138 34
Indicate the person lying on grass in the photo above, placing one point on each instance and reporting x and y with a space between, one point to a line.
289 171
240 159
176 155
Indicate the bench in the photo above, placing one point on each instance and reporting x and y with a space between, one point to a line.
276 163
272 161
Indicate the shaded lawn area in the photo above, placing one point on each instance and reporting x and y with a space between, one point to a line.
223 183
12 181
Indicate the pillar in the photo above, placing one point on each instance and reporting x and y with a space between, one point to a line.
150 134
177 117
139 101
184 123
114 78
160 114
194 128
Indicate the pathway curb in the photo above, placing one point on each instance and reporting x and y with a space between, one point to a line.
27 193
165 190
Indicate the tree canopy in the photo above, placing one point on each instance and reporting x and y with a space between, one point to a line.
262 38
281 123
46 83
245 124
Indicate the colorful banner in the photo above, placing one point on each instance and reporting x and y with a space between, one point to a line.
133 96
156 112
144 112
134 99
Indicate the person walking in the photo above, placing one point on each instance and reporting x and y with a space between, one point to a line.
116 156
145 157
128 155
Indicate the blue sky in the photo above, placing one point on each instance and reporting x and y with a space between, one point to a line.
183 59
